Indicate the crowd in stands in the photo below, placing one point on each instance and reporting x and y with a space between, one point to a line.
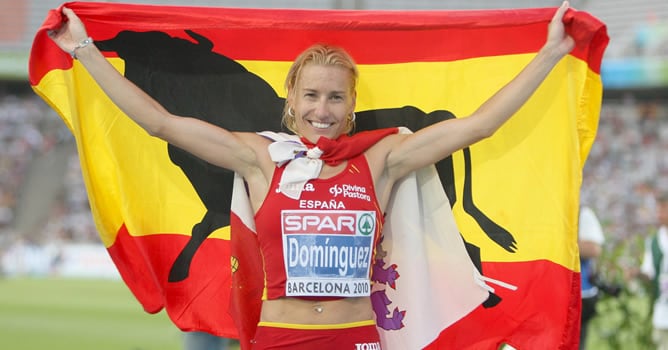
30 129
627 166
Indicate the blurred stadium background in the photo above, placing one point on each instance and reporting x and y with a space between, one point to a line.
46 229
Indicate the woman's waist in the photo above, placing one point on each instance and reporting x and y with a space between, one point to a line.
316 312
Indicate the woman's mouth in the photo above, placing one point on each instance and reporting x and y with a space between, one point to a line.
320 125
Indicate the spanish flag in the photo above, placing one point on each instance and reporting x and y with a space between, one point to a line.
165 215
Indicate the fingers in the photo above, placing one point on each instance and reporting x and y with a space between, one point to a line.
559 15
68 12
71 16
71 26
557 36
52 33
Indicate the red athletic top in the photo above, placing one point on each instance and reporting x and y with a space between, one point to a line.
322 244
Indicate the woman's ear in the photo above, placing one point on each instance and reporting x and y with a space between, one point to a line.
354 98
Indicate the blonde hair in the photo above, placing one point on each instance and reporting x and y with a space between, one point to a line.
323 55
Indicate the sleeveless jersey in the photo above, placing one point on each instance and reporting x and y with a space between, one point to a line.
322 244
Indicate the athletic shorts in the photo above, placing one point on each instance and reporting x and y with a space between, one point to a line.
349 336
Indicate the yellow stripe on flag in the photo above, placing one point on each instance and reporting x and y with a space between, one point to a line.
124 179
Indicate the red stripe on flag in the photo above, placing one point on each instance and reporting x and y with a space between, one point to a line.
129 256
527 318
198 302
371 37
247 280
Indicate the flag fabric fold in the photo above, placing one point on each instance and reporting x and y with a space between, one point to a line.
165 215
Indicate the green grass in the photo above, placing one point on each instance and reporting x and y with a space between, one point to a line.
69 314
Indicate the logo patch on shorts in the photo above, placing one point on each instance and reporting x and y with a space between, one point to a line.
367 346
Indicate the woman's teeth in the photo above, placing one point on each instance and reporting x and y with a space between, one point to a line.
320 125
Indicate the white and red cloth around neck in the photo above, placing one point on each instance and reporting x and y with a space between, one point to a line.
304 160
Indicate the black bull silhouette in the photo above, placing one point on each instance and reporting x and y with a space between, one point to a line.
190 79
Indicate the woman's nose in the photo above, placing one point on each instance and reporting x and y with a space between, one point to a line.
321 108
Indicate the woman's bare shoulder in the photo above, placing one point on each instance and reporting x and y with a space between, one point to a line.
377 155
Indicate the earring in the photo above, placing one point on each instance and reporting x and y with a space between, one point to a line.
352 117
291 112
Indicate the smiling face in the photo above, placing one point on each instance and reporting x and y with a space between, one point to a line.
322 101
321 93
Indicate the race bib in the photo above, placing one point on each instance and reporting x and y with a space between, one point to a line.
328 253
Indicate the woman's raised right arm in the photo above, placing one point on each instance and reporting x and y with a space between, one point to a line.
207 141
